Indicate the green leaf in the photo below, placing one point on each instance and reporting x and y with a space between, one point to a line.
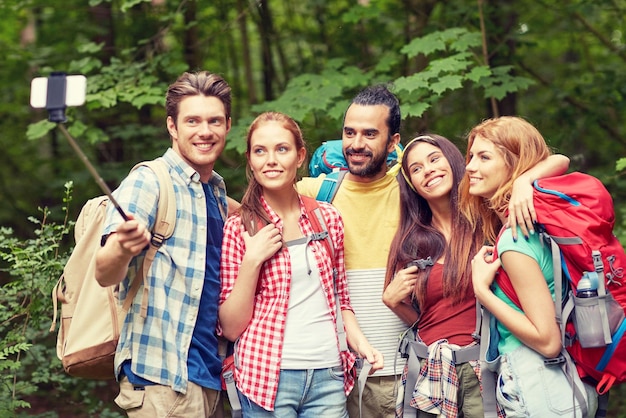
105 98
620 165
129 4
466 41
39 129
413 82
477 73
452 64
498 91
90 47
85 65
358 12
424 45
448 82
456 39
416 109
386 63
77 129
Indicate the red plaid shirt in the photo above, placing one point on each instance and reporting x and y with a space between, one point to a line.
259 348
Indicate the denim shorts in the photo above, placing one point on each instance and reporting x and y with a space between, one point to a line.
527 387
312 393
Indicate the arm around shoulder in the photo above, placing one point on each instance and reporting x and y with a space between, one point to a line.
554 165
233 205
309 186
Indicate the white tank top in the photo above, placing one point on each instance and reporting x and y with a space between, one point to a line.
310 340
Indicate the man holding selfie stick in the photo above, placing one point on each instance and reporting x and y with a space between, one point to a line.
167 358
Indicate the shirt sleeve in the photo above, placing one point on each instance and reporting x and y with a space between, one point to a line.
506 243
310 186
137 195
533 248
233 249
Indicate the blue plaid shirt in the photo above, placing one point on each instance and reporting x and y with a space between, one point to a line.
158 345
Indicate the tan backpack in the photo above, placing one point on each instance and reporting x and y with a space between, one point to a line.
91 317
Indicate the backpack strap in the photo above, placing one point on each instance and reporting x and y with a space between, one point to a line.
562 313
321 233
164 225
488 377
414 350
330 185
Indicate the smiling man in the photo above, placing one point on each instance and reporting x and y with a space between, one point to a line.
369 202
167 360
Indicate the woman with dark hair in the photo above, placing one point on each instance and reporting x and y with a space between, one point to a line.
438 293
278 288
428 281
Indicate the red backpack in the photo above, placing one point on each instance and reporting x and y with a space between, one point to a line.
575 217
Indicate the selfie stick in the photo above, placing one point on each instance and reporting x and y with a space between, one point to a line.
55 105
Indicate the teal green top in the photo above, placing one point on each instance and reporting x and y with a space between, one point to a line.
538 251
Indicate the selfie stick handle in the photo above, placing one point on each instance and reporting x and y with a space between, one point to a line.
93 171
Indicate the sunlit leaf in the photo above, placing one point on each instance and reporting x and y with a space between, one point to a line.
39 129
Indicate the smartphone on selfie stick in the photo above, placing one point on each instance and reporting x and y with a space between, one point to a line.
55 93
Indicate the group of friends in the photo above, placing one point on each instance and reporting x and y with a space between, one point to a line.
251 272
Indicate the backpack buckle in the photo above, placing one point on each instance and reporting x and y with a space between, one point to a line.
157 240
557 360
421 263
319 236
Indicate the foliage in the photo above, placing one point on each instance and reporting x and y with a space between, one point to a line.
452 63
27 365
24 301
443 64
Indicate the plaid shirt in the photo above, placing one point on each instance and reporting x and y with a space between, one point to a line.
158 345
437 383
259 348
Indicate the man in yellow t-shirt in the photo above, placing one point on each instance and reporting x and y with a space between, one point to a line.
368 200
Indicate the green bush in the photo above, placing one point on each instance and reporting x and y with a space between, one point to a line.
32 379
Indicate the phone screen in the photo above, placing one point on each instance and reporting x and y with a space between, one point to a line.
75 91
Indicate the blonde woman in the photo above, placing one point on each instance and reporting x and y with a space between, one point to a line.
529 384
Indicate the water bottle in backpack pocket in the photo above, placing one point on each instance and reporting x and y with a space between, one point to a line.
596 317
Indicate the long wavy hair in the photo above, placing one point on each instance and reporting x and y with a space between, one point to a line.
417 238
522 147
253 216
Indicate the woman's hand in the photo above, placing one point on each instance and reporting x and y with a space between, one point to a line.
373 356
484 269
401 287
264 244
521 207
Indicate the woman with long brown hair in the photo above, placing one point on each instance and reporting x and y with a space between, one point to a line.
278 288
429 282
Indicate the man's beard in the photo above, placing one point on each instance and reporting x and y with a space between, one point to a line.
372 168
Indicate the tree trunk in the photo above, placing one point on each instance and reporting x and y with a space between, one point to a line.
245 46
190 39
501 24
264 25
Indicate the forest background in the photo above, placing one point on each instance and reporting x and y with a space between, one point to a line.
560 64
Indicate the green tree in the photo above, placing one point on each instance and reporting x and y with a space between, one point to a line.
452 63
